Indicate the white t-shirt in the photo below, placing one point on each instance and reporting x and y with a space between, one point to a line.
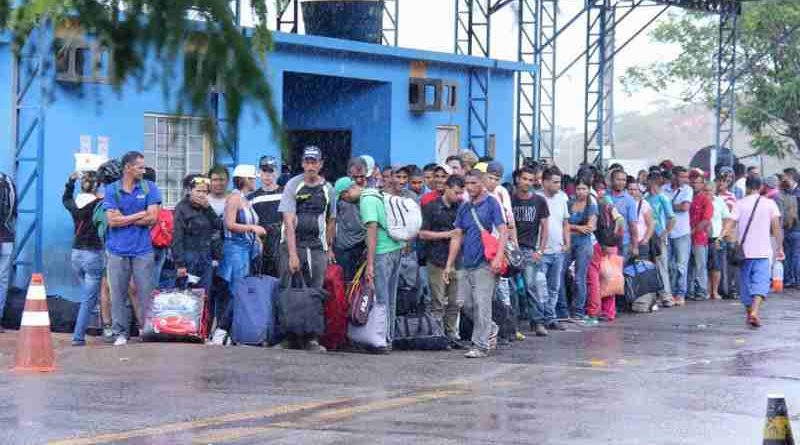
559 212
641 222
682 223
218 204
501 195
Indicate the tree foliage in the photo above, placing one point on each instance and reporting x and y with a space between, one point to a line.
768 69
138 32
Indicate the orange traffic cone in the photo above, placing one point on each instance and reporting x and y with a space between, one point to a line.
34 344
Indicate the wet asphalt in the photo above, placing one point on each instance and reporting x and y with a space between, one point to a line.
693 375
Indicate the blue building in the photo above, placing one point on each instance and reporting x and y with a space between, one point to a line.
399 105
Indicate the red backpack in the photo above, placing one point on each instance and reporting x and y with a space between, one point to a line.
161 232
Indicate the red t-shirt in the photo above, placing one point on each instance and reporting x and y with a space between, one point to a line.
702 209
429 197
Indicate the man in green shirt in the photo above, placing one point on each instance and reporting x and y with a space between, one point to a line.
383 257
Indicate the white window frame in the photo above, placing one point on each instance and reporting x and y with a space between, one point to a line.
172 195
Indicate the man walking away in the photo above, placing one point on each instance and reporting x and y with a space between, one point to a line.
757 218
87 247
309 223
265 202
531 216
132 205
438 228
477 281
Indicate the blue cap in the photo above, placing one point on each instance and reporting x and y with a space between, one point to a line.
312 152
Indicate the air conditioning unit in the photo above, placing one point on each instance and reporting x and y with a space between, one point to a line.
426 95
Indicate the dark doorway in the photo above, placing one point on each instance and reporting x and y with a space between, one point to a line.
335 146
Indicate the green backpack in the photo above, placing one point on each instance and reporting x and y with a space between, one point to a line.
99 218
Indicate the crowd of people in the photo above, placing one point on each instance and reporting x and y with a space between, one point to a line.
536 245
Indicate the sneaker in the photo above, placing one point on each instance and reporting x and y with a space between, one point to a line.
108 334
456 344
476 353
556 326
121 341
218 339
665 303
78 342
314 346
540 330
519 336
591 321
578 319
679 301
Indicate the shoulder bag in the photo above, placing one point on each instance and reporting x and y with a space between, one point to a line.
737 258
491 246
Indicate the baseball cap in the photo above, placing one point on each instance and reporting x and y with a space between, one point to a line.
445 168
481 166
312 152
370 161
771 181
725 171
268 162
342 185
495 168
244 171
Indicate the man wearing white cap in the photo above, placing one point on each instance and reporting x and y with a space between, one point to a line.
309 225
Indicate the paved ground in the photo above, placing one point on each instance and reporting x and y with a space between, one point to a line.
695 375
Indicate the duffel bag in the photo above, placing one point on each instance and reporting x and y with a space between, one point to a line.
300 309
419 332
254 311
371 335
641 278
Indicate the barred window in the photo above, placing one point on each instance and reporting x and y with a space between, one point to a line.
175 146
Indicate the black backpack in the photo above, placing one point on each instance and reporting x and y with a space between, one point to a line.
606 231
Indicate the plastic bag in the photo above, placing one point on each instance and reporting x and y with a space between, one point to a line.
612 282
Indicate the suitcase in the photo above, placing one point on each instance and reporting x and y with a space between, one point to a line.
254 311
176 315
335 308
373 334
419 332
641 278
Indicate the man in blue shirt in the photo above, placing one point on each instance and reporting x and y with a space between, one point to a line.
626 206
131 206
665 221
478 279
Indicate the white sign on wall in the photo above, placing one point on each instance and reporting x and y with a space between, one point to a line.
86 144
103 145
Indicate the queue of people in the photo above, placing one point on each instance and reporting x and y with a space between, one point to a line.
539 246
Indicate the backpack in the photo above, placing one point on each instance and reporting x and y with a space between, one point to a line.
606 231
789 204
161 232
403 215
100 220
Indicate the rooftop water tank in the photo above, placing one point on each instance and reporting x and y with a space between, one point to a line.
360 20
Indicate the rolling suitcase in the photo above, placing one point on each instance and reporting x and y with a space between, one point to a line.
254 311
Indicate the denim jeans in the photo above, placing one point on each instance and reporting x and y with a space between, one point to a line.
6 257
552 266
350 260
159 258
120 270
476 288
662 263
679 255
199 265
791 268
698 282
88 266
580 253
387 278
535 289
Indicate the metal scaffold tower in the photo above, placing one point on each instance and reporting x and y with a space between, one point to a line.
472 38
30 87
598 72
725 64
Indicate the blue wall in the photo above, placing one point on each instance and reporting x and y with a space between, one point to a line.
373 104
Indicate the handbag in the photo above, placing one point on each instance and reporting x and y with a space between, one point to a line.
361 298
491 246
737 257
301 308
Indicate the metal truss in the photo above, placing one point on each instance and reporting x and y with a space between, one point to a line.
472 37
31 71
725 67
528 134
287 19
597 104
546 65
287 16
391 22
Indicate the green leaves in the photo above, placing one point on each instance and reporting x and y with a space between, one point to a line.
211 50
768 59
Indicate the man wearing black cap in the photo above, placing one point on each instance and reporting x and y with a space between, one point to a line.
309 225
265 202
